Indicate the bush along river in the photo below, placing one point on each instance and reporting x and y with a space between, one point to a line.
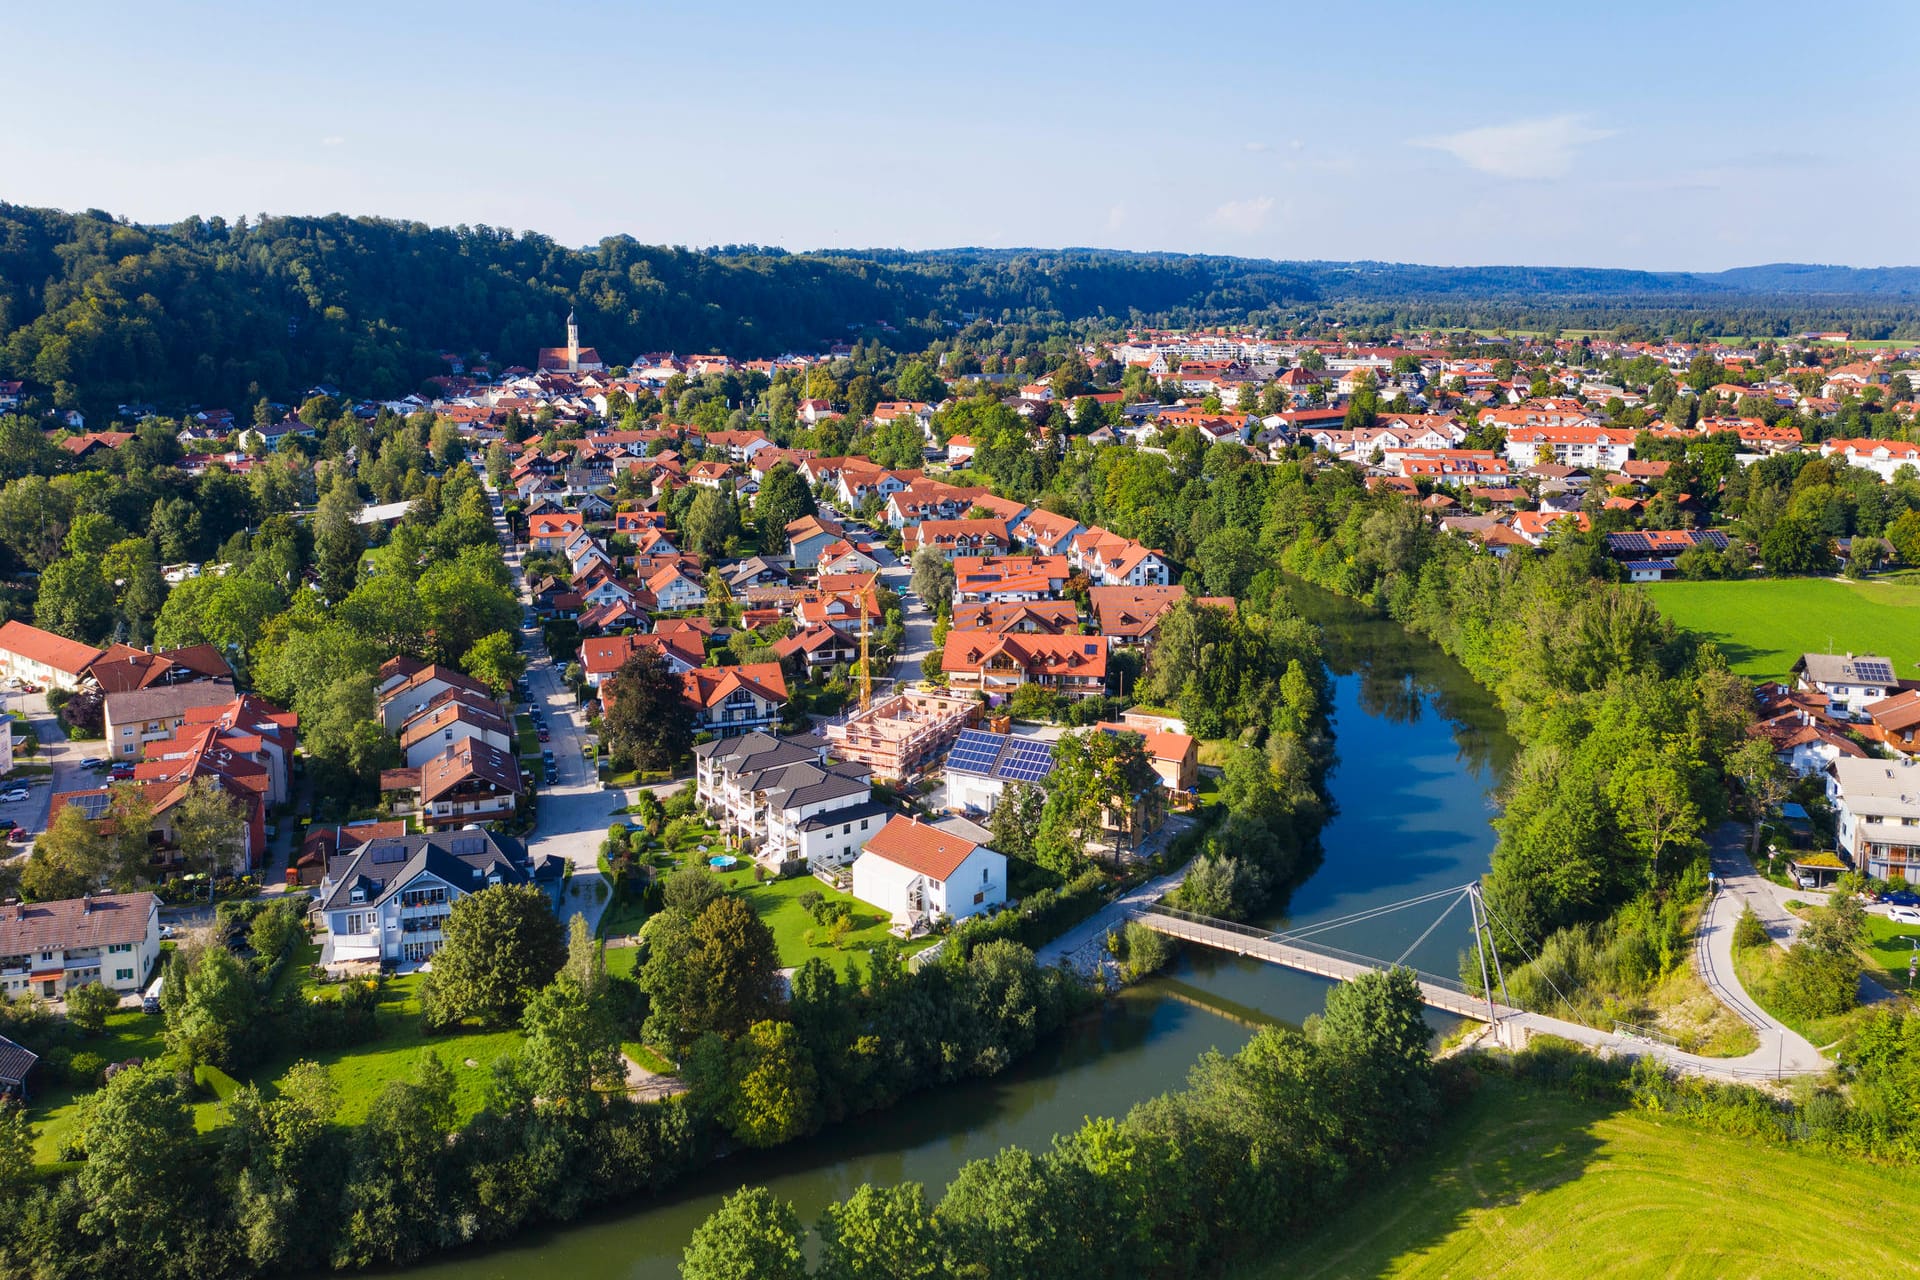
1421 749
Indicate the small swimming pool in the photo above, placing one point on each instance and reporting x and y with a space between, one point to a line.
721 861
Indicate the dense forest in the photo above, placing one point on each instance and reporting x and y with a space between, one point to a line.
96 311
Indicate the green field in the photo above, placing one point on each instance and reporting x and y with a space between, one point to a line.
1526 1184
1764 625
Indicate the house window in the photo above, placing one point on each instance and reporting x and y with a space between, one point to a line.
123 975
119 947
979 898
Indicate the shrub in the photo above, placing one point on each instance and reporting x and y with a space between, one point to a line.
1748 931
88 1007
86 1069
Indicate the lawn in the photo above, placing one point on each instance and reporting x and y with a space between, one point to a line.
778 905
1764 625
1524 1184
361 1072
1888 950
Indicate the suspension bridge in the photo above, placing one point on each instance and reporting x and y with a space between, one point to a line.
1302 949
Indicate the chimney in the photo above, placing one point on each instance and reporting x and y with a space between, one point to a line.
86 903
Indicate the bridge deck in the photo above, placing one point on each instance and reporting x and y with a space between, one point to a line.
1508 1023
1267 947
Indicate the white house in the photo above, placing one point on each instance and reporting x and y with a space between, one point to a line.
1850 681
387 900
1876 805
49 948
918 873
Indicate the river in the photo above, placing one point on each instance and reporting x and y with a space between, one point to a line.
1420 747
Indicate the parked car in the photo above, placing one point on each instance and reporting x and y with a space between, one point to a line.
544 735
1904 915
120 772
19 835
98 763
14 795
553 776
168 931
1901 898
7 824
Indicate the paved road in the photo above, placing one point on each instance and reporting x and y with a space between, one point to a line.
918 617
1084 947
575 812
67 758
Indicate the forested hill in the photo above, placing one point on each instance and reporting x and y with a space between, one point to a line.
96 311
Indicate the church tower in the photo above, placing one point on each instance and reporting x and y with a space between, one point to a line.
573 345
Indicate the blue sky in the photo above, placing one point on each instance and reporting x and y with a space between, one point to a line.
1664 136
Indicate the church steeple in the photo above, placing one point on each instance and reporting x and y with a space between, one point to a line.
573 344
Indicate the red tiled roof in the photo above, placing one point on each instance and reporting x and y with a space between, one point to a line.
46 648
924 850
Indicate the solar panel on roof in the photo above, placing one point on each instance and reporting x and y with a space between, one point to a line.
91 806
464 845
1882 671
386 851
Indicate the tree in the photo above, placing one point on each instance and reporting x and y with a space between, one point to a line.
210 1019
207 823
16 1147
709 522
502 945
572 1045
586 961
33 519
1101 782
784 497
1001 1212
136 1124
75 600
88 1007
70 858
1795 544
338 540
773 1097
647 720
495 661
341 731
880 1233
733 965
287 1165
1904 534
751 1234
1763 782
1656 808
1820 975
1015 821
932 577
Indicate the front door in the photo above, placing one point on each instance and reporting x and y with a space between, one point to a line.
48 988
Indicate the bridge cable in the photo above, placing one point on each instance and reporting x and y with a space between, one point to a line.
1531 959
1460 895
1308 930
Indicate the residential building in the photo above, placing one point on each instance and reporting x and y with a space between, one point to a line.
808 536
413 686
982 764
1882 457
602 656
955 538
728 701
49 948
454 717
781 799
1008 579
137 717
1895 721
1876 805
1850 682
1175 756
918 873
1587 447
979 662
469 781
386 901
42 658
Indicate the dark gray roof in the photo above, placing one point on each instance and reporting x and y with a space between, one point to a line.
15 1062
839 817
799 785
758 751
464 859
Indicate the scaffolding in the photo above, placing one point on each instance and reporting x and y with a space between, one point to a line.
899 736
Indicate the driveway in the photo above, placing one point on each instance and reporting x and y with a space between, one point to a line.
918 619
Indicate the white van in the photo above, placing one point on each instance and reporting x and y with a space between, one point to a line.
150 1002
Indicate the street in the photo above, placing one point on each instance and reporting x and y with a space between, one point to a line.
575 812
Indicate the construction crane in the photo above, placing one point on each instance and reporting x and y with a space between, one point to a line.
866 653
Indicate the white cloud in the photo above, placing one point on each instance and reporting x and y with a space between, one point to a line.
332 140
1256 147
1244 216
1542 148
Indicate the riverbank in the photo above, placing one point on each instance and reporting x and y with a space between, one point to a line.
1551 1186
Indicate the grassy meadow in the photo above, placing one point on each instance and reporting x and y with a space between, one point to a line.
1523 1184
1764 625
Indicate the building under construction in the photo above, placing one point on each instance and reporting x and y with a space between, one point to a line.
901 735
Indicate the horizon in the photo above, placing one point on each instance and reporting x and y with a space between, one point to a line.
934 250
917 131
